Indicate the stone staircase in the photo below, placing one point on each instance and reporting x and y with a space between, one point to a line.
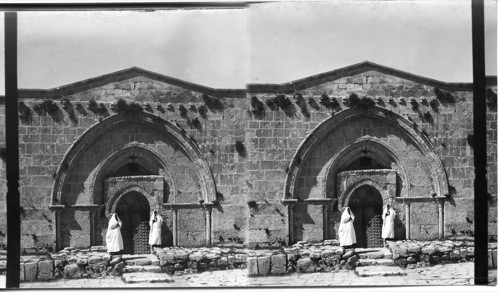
143 268
376 262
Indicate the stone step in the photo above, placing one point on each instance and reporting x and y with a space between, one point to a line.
141 260
372 271
375 262
360 250
371 255
144 269
146 278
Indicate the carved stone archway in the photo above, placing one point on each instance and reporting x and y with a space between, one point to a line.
383 180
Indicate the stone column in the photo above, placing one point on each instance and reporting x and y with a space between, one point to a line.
407 219
441 219
174 226
290 224
325 221
208 227
92 227
57 229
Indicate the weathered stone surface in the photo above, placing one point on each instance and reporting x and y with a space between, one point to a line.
231 260
181 255
197 256
240 258
222 262
21 272
72 271
252 267
82 261
94 259
30 271
377 271
348 254
119 266
278 264
264 264
306 265
146 278
116 260
45 270
429 249
352 259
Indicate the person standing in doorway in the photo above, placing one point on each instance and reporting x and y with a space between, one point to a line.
155 223
114 240
388 217
347 235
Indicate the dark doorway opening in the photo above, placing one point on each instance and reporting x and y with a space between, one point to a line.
133 210
366 204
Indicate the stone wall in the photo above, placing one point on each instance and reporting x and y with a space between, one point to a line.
248 145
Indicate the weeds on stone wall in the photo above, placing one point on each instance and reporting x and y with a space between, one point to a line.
353 99
98 109
414 105
272 104
25 114
365 103
491 99
195 123
325 101
202 110
427 116
258 109
253 205
444 96
241 149
312 102
286 105
183 111
213 103
301 103
434 103
68 107
123 107
49 107
80 109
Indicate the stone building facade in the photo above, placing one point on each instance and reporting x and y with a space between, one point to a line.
272 164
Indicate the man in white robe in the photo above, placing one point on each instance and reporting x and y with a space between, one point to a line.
347 235
155 223
388 216
114 240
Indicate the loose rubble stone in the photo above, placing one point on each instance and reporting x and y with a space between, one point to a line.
305 265
71 271
114 261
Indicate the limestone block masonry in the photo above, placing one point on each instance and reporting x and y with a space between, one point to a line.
258 167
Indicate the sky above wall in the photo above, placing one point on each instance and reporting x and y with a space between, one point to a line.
264 43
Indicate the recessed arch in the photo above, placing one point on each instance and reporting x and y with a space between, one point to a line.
403 126
145 155
89 136
114 198
379 150
350 190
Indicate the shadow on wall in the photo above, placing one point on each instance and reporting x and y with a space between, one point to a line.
70 226
399 229
167 238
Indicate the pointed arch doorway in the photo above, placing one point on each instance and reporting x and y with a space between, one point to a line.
366 205
133 210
